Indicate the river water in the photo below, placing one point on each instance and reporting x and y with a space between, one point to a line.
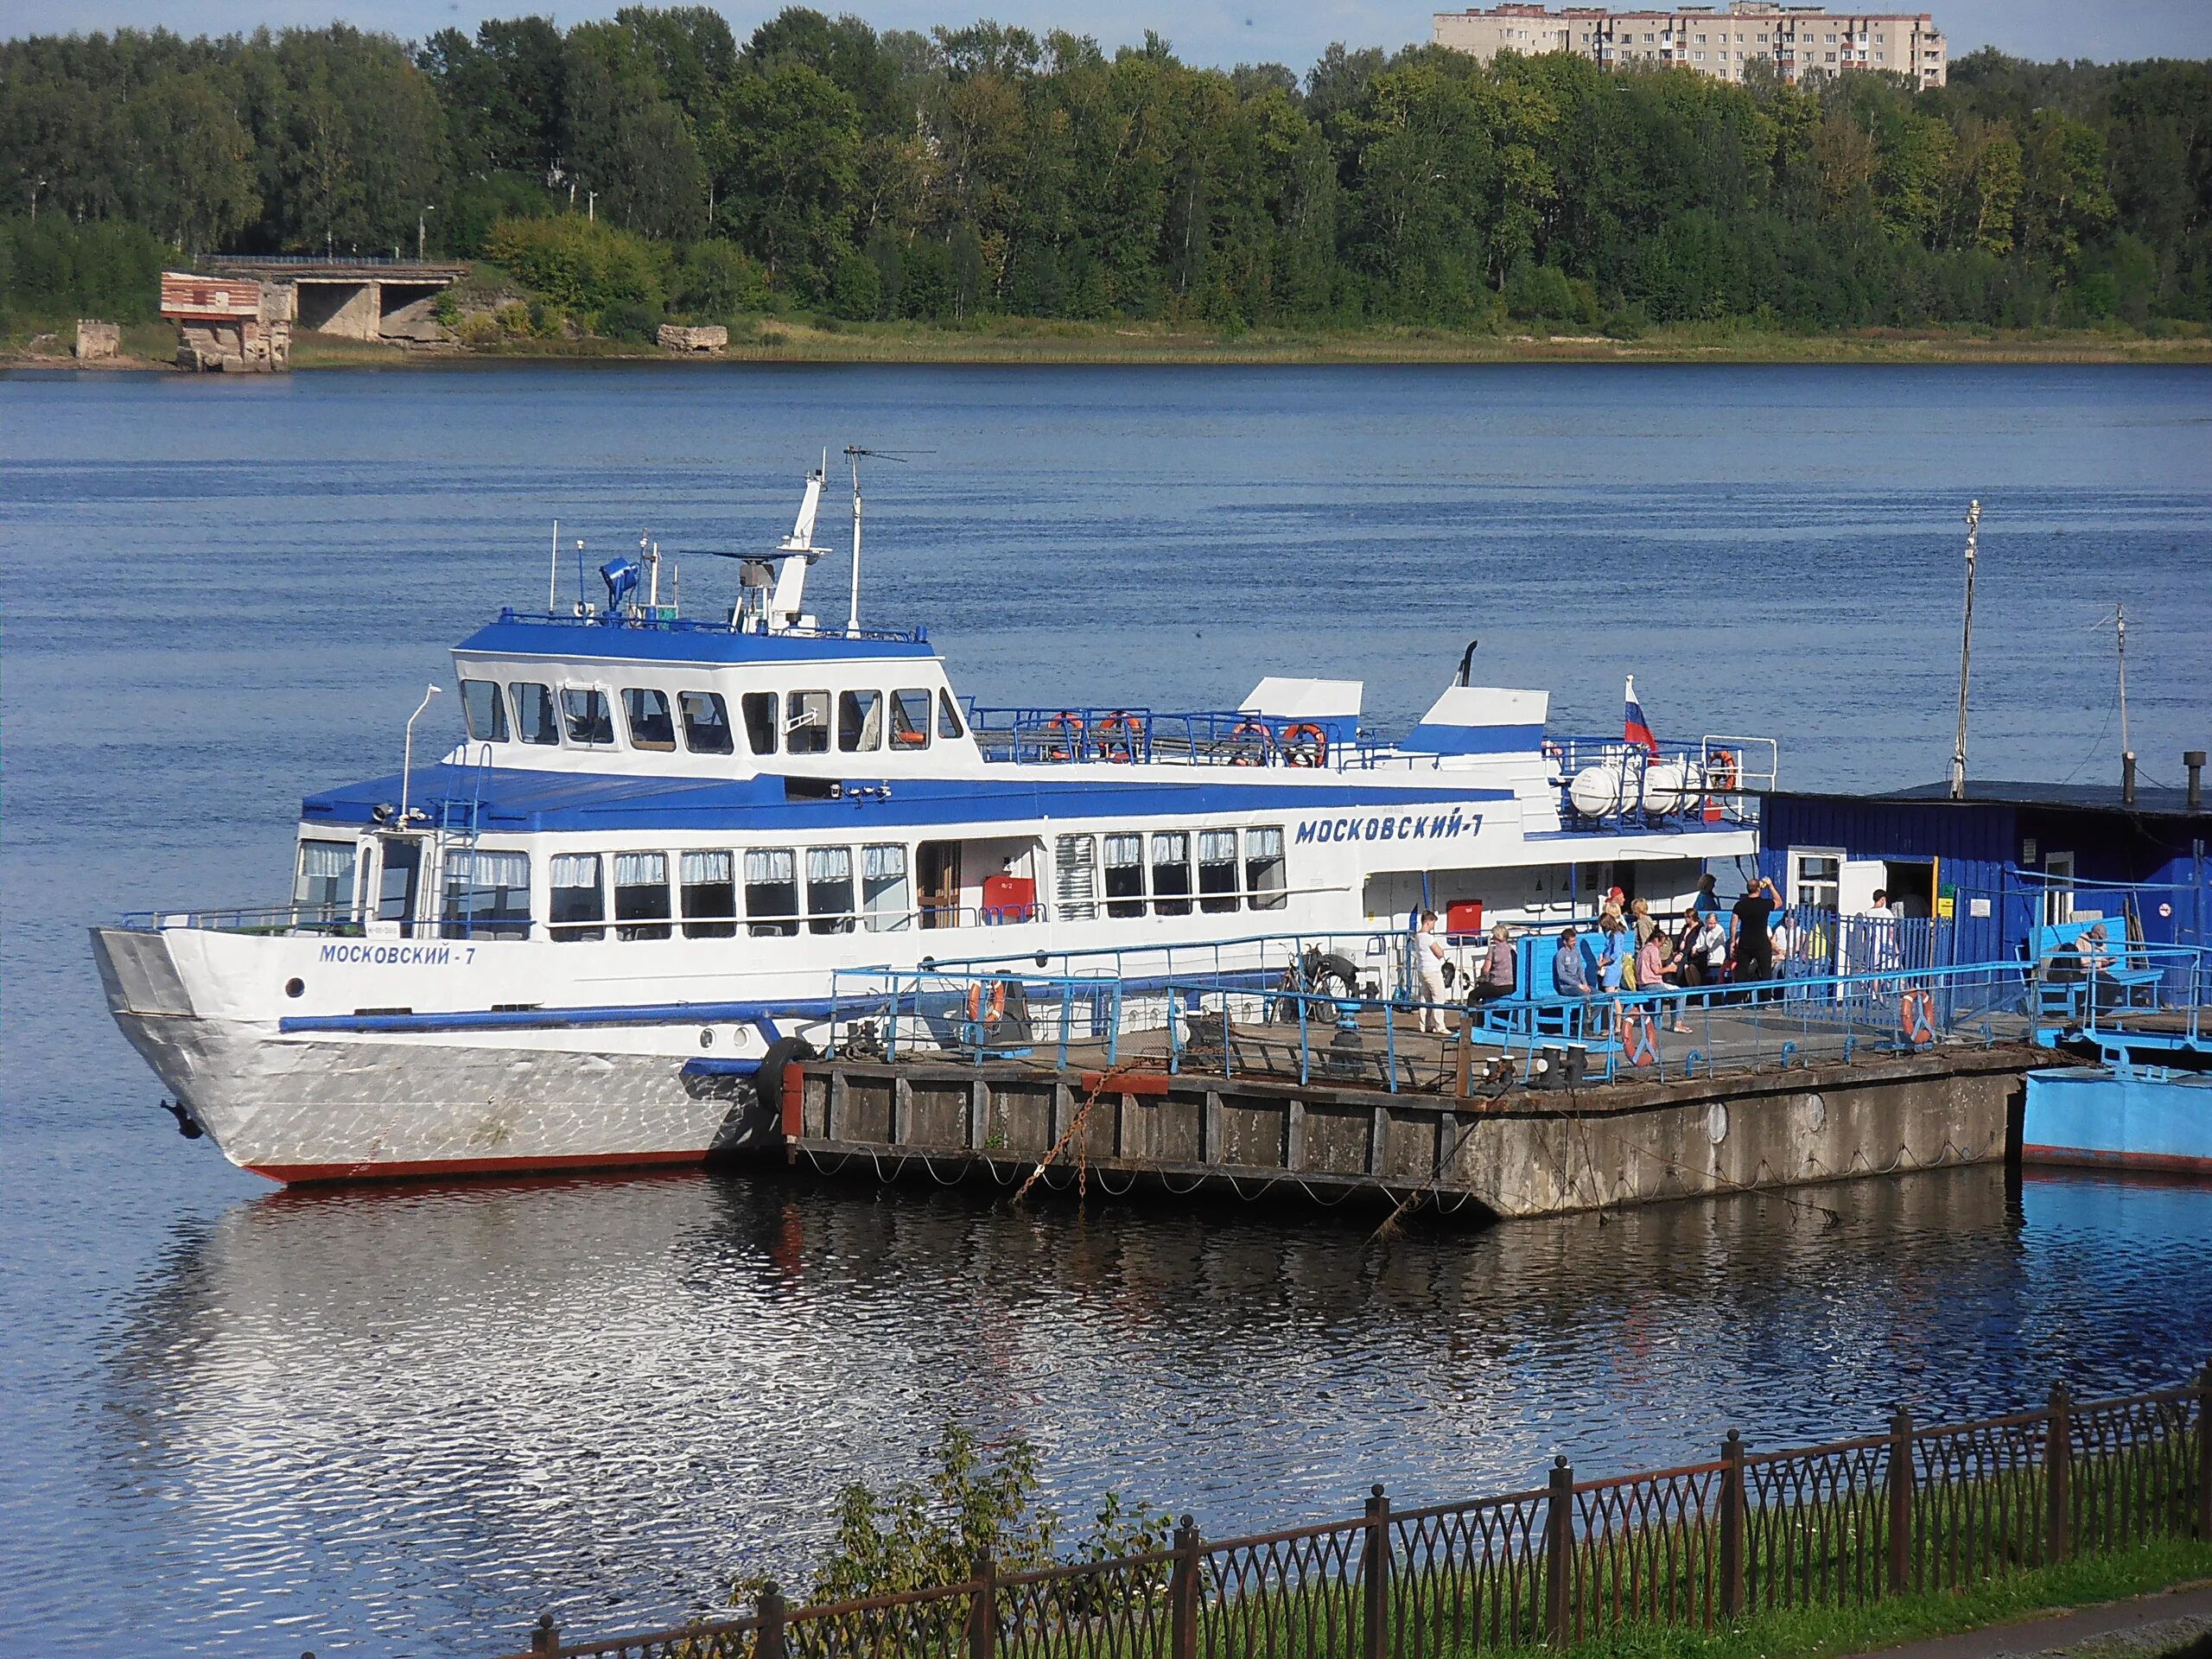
235 1420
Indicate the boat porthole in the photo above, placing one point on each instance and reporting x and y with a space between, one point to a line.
295 988
1816 1113
706 1039
1716 1123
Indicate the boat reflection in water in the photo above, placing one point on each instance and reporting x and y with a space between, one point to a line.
410 1418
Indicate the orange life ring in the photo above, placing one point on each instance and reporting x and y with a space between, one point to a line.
1118 734
1067 729
1916 1018
1721 780
1304 745
1641 1037
1252 728
975 1005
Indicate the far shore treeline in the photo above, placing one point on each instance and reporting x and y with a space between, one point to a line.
654 166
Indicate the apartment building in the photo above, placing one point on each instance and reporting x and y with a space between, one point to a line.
1798 40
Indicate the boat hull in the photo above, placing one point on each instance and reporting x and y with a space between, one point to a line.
2102 1118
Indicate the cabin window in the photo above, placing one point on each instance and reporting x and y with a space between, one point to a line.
1216 870
1266 877
910 718
487 895
706 722
576 904
806 723
709 895
534 722
860 722
760 723
641 895
590 720
1171 874
1074 864
325 888
886 894
485 711
948 718
651 727
830 889
771 891
1125 875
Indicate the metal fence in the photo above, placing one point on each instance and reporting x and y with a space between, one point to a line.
1912 1510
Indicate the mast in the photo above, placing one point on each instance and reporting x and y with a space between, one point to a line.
853 610
1965 657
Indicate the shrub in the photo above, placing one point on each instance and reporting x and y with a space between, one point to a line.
630 321
479 328
580 264
515 318
718 279
856 291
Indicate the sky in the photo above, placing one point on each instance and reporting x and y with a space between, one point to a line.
1222 32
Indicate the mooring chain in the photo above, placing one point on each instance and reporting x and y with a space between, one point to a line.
1074 1127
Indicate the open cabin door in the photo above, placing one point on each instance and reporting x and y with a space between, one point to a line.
937 869
399 880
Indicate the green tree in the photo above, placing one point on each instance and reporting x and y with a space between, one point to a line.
788 171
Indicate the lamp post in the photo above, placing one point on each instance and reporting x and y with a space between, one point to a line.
37 185
421 227
591 204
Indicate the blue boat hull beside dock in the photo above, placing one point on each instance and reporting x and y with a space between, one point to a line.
2123 1117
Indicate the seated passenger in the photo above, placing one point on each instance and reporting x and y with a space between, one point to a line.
1568 978
1497 976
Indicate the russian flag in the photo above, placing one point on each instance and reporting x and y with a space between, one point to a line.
1633 730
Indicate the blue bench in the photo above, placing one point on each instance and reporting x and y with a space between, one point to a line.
2066 998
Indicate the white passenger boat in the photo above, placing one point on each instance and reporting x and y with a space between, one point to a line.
576 938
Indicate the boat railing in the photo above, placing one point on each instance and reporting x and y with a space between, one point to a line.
917 635
1606 782
1219 737
2142 995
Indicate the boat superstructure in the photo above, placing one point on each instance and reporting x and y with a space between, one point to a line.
575 938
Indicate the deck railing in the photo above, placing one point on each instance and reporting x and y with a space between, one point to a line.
1911 1510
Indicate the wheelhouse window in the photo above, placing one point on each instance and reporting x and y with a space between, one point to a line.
575 902
860 722
1267 878
771 891
1075 868
651 727
534 720
710 893
806 723
1171 874
1125 875
324 891
886 893
1217 871
761 723
641 895
948 718
910 718
485 709
590 720
487 895
706 723
830 889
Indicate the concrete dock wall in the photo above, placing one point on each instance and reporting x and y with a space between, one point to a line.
1527 1154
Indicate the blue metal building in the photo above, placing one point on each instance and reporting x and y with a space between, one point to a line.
2006 859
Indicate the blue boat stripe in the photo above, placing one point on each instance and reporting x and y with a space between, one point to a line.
644 1014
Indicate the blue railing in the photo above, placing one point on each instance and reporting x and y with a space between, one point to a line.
917 635
1210 736
2171 982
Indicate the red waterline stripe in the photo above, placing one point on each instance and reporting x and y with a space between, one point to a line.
291 1174
2165 1163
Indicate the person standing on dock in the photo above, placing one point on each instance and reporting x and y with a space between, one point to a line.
1428 965
1753 937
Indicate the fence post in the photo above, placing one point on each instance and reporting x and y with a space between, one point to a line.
983 1610
1900 1501
1183 1593
546 1635
1375 1575
768 1640
2057 1456
2204 1453
1731 1526
1559 1549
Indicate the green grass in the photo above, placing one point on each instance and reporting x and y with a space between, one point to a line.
1814 1633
